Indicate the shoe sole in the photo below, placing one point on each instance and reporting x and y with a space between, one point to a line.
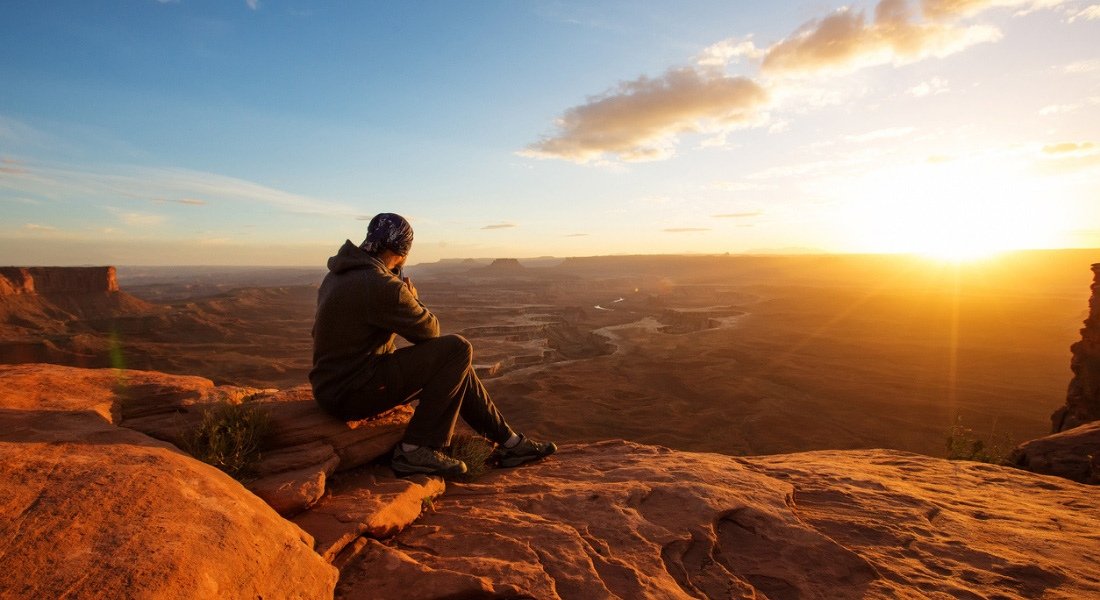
515 461
402 470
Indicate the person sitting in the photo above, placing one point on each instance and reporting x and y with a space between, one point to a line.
362 304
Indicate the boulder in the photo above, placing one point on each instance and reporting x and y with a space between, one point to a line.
1073 454
90 510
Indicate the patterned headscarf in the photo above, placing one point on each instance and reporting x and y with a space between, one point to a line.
388 231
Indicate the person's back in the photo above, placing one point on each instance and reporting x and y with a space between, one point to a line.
361 307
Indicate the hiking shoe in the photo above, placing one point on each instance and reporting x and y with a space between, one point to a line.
425 461
524 452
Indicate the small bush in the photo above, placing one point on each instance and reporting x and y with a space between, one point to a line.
964 444
473 450
229 437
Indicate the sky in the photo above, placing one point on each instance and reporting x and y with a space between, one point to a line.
266 132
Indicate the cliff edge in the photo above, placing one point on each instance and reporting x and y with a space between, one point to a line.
53 280
1083 397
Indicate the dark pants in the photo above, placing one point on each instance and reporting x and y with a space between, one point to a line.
439 373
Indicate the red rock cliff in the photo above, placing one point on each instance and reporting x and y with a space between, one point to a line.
49 280
1083 397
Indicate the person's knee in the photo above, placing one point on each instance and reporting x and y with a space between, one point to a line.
460 346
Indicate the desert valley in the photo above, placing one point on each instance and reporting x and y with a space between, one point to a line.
731 426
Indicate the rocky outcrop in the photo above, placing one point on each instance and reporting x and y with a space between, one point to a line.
92 510
304 445
1073 454
621 520
1083 397
57 280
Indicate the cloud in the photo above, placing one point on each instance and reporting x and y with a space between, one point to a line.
739 186
38 228
732 50
845 41
932 87
499 226
1068 157
739 215
1081 66
946 9
685 229
1068 147
137 219
66 183
880 134
253 4
640 119
576 235
1090 13
191 201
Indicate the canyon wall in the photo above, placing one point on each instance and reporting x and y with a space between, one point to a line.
1083 397
54 280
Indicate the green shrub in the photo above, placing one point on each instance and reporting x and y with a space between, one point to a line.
473 450
229 437
964 444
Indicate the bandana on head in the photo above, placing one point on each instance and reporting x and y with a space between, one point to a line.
388 231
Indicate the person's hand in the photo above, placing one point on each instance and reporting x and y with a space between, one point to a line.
412 288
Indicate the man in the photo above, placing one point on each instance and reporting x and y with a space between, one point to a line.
357 371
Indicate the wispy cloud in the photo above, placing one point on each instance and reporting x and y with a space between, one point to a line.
253 4
880 134
137 219
739 186
932 87
1069 148
38 228
1090 13
940 9
186 186
640 119
499 226
1081 66
576 235
739 215
685 229
1068 157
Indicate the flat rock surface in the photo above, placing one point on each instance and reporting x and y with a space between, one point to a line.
620 520
368 501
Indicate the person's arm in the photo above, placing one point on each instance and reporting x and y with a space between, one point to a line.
404 314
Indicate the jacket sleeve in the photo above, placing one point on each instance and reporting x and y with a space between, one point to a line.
405 315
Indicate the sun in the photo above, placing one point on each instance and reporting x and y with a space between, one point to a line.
958 213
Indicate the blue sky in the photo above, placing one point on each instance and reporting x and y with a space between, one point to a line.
265 132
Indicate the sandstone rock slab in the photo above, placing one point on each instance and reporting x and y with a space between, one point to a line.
90 510
620 520
367 502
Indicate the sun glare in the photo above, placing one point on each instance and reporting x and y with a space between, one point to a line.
955 212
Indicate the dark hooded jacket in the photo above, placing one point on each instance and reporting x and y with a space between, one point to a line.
361 305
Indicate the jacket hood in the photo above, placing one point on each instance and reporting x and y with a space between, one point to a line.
351 257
